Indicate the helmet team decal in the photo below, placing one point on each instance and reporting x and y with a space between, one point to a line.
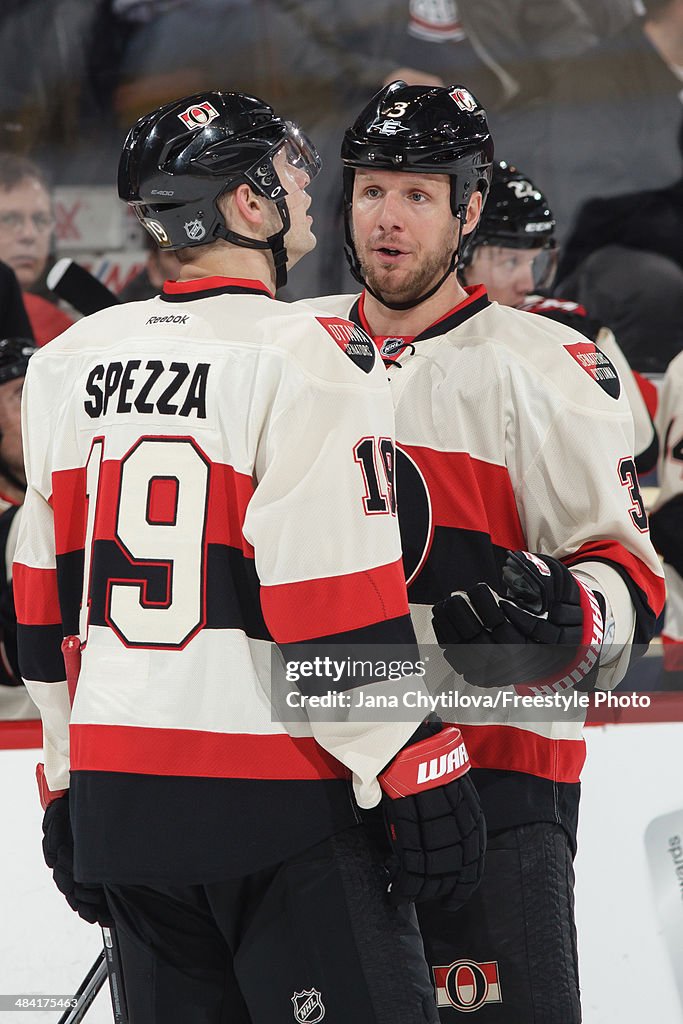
308 1006
463 98
389 127
198 115
597 365
467 985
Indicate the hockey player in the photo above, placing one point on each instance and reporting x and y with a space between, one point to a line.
514 463
513 253
666 518
197 490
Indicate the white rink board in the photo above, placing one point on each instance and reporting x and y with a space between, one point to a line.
631 777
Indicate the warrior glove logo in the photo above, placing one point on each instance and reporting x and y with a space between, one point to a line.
308 1006
198 115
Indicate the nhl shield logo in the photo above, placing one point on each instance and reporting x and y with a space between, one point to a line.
195 230
308 1006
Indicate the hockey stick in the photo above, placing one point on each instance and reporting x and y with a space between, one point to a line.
78 286
112 956
90 986
108 964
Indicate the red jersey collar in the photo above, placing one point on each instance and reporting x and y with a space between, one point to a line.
203 287
476 299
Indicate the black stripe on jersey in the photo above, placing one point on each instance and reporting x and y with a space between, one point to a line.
206 293
392 640
40 652
70 588
457 560
517 798
647 460
143 829
454 319
666 533
232 586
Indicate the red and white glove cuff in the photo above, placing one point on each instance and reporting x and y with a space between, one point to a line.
586 656
433 762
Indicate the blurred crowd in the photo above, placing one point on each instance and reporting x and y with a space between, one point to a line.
585 95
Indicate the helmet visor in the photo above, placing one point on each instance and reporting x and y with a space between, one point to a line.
505 262
290 166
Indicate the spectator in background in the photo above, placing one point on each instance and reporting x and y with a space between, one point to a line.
26 232
624 260
160 266
666 518
14 322
14 356
611 114
513 253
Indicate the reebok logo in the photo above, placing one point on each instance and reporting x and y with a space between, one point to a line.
177 319
440 767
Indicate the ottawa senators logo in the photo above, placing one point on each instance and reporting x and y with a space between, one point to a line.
198 115
352 340
467 985
597 365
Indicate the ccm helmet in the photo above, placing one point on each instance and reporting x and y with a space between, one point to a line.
180 159
517 216
424 129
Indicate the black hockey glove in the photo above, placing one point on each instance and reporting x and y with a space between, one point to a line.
89 901
435 822
543 636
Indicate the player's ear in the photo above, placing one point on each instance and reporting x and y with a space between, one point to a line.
242 207
474 208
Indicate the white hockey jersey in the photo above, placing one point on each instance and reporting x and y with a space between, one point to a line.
194 493
667 514
514 432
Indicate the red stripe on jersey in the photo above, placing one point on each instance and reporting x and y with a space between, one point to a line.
506 748
649 393
649 582
35 596
194 753
229 494
469 494
335 604
70 509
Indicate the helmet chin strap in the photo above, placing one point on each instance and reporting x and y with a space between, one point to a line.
354 264
275 242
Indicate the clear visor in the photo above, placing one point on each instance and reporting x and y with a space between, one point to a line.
538 266
295 161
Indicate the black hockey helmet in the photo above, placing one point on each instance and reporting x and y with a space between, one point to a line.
14 356
178 160
425 129
517 216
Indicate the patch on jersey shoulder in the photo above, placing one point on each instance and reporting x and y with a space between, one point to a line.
598 367
352 340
